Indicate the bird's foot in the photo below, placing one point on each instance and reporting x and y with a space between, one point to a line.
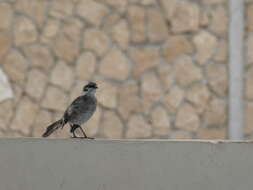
89 138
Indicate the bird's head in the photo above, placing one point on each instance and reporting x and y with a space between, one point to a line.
90 88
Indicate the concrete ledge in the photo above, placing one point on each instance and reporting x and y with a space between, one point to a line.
73 164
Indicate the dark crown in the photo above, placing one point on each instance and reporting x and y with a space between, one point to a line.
90 85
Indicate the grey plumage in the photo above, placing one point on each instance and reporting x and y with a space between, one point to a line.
78 112
81 109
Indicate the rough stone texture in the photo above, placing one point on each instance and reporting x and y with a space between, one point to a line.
15 65
61 8
181 135
152 60
42 120
166 75
204 18
205 44
136 17
92 11
169 8
156 26
215 115
85 66
117 5
111 21
176 46
36 84
212 133
213 2
67 43
187 118
6 113
62 75
185 17
217 78
120 33
186 71
144 59
138 128
64 133
18 92
24 31
66 48
249 12
33 9
91 127
129 92
71 28
133 1
248 129
198 94
55 99
221 51
160 121
25 115
250 49
112 126
148 2
5 43
39 56
96 41
56 115
174 98
115 65
50 30
76 90
107 94
219 21
249 84
151 90
6 15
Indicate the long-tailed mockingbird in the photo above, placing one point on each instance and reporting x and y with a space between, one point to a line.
79 111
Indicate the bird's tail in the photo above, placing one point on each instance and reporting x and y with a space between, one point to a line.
54 126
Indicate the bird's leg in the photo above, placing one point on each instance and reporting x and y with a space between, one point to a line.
84 135
74 135
72 130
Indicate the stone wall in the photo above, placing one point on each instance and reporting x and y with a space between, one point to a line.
249 69
161 66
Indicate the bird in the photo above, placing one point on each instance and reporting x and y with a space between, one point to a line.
78 112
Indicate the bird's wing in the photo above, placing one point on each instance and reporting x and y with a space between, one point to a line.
74 106
81 104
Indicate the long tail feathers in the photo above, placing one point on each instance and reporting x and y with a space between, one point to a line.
54 126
